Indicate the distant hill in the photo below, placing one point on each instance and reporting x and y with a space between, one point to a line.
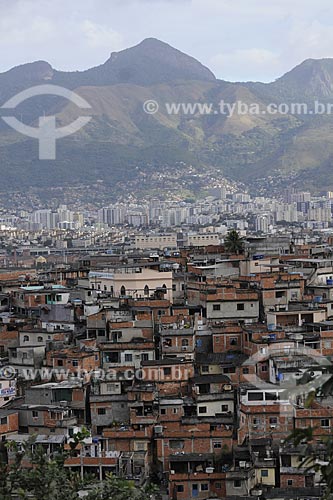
121 139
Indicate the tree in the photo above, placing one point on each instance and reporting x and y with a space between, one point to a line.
313 457
119 489
35 475
233 243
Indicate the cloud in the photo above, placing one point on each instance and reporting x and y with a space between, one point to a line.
254 62
313 39
238 39
97 35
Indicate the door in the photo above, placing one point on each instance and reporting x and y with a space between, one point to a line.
195 490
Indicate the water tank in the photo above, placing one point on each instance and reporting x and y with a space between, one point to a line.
329 281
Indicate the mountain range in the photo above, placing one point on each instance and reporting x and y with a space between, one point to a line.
121 140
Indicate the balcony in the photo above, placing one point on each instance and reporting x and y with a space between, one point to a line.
63 423
103 460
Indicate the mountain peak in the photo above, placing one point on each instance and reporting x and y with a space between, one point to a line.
37 70
151 41
313 76
153 61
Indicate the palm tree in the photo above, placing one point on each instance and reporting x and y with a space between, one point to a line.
233 243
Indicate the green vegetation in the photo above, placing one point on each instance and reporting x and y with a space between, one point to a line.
32 474
121 139
233 243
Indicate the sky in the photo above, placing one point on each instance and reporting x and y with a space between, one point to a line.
239 40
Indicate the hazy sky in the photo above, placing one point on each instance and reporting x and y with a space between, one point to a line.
237 39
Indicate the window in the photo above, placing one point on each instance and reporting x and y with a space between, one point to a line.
3 421
167 342
273 420
175 411
163 411
75 362
205 369
224 408
289 482
204 487
256 421
34 414
146 291
60 362
240 307
26 338
101 411
101 333
264 368
218 486
229 369
128 357
202 409
245 371
185 342
324 422
255 396
180 488
39 339
167 371
111 357
111 387
217 445
237 483
123 290
176 444
144 356
264 473
233 341
271 396
216 307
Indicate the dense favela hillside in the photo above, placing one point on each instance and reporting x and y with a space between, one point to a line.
121 141
184 372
